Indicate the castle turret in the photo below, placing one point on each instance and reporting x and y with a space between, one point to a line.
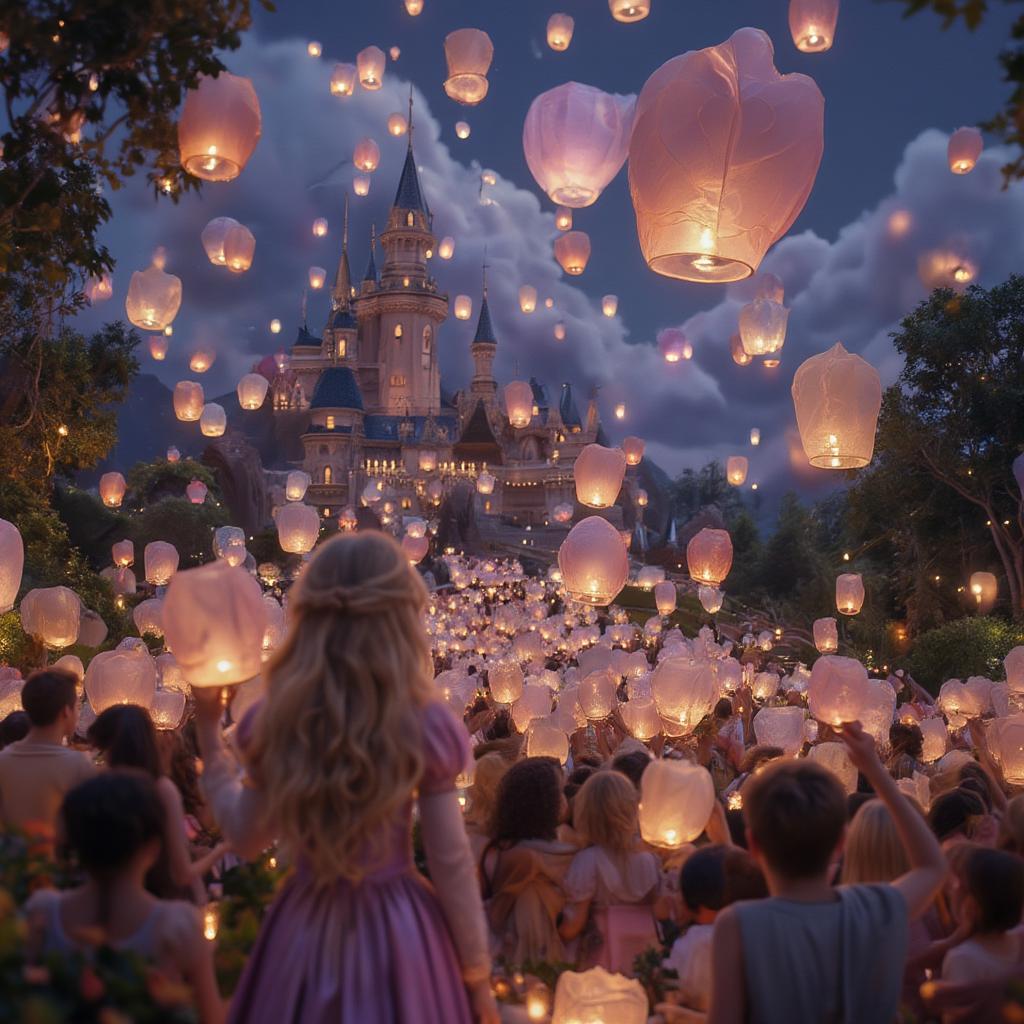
483 350
340 331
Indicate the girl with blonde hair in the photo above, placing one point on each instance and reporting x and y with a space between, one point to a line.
873 851
348 738
612 884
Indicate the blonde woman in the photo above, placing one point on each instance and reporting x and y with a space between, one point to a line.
613 883
348 737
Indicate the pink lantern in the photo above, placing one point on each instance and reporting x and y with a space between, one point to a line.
123 552
153 299
214 620
120 677
239 249
519 403
298 527
201 360
593 562
563 221
684 691
812 23
196 492
99 289
722 158
575 139
736 469
415 548
562 512
188 401
665 597
560 28
167 709
219 127
633 449
366 155
780 727
598 473
826 635
641 718
213 237
545 739
672 342
161 562
397 125
849 593
676 800
572 250
252 390
112 489
838 690
469 53
370 66
709 556
147 616
52 615
965 146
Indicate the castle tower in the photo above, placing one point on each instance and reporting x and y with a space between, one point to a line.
483 350
340 331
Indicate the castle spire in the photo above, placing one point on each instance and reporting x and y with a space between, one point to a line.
343 279
371 266
484 328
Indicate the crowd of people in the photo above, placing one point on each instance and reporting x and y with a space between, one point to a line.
798 902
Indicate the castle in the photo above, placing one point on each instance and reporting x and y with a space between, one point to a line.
375 416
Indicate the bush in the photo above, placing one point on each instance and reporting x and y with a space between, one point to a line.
972 646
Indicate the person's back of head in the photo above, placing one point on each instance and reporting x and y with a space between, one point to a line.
488 771
14 727
974 777
906 738
744 879
577 777
758 756
529 801
632 764
873 851
1011 827
702 881
605 811
47 695
953 814
994 884
126 737
795 812
723 709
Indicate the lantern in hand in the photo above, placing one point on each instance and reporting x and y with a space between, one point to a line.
676 799
595 996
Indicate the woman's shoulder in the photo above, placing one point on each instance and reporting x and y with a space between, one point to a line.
176 923
445 748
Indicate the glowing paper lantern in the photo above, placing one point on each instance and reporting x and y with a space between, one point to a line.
239 249
343 80
366 155
722 158
572 250
120 677
965 146
99 289
314 49
709 556
298 527
984 588
370 67
167 709
838 689
67 663
710 599
505 679
201 360
673 344
755 436
936 739
560 28
213 420
665 597
463 307
214 619
147 617
317 276
763 327
153 299
527 298
295 485
629 10
596 695
414 7
196 492
676 799
519 403
559 331
837 397
161 562
158 347
446 248
12 564
229 544
1013 663
563 220
948 267
562 512
188 401
1006 741
252 390
649 576
485 483
834 757
780 727
415 548
593 562
219 127
826 635
610 305
739 354
684 691
112 489
849 593
52 615
397 125
11 685
812 23
736 469
575 139
633 449
462 129
361 185
546 739
427 461
469 52
641 718
598 473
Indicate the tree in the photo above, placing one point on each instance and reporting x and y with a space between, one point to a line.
693 490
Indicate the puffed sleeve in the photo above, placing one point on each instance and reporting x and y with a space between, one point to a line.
580 883
445 750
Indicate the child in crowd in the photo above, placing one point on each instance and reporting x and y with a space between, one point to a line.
811 953
36 772
488 771
114 823
613 883
13 728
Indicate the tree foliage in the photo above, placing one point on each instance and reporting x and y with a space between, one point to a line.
965 647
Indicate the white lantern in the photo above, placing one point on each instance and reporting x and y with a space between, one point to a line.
838 690
485 483
167 709
545 739
123 552
826 635
684 691
161 562
469 52
295 485
462 129
812 23
936 739
112 489
629 10
641 718
415 548
534 702
252 390
676 800
709 556
317 276
1013 664
370 66
68 663
147 617
188 401
213 237
239 249
196 492
1006 741
965 146
837 397
219 127
214 620
505 679
519 403
849 593
446 247
598 473
736 470
51 615
596 695
983 587
298 527
366 155
229 544
780 727
343 80
572 250
463 307
560 27
361 185
120 677
763 327
153 299
755 436
665 597
610 305
593 562
834 757
213 420
710 598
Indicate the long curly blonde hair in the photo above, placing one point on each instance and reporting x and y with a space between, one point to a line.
335 748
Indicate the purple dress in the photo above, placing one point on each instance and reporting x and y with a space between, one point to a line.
375 952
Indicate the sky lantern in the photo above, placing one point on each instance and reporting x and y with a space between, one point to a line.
252 390
838 689
641 718
673 344
427 460
545 739
201 360
596 694
463 307
965 146
563 218
676 800
562 512
710 598
780 727
826 635
112 489
213 237
837 397
173 455
519 403
213 420
296 484
610 305
665 597
469 52
229 544
123 553
593 561
834 757
462 129
298 527
161 562
527 298
763 327
196 492
314 49
446 247
633 449
559 331
983 587
936 738
99 289
366 155
560 28
370 67
153 299
505 679
239 249
722 158
598 473
414 7
849 593
641 498
595 995
736 470
343 80
812 23
51 615
275 326
146 616
709 556
214 619
755 436
167 709
361 184
1006 741
575 139
317 276
535 702
629 10
485 483
188 401
120 677
395 52
572 250
620 411
1013 664
12 564
397 125
157 344
415 548
740 356
219 127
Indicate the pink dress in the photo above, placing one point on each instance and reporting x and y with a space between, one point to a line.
369 953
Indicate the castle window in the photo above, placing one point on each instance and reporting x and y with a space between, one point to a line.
409 221
328 473
428 344
342 348
398 330
406 503
330 422
397 380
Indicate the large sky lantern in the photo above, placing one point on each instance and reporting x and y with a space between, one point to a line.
296 484
219 127
196 492
676 800
213 237
545 739
161 562
1006 741
629 10
723 156
983 588
120 677
965 146
780 727
519 403
366 155
370 67
252 390
849 593
838 689
415 548
709 556
936 738
239 249
1013 663
834 757
736 467
575 139
665 597
153 299
446 247
52 615
598 473
684 691
572 250
505 679
298 527
201 360
188 401
527 298
596 694
112 489
763 327
214 619
469 52
826 635
343 80
463 307
560 27
158 345
812 23
593 561
213 420
633 449
837 397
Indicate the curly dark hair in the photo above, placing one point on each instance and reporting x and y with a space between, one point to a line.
125 735
906 738
529 802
